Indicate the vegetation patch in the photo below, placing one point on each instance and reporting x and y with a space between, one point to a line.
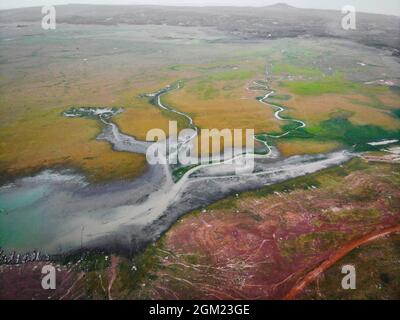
339 128
88 261
357 214
232 75
396 113
330 84
311 242
291 147
134 274
206 90
291 69
280 97
177 174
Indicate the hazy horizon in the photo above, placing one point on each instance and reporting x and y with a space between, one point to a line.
391 7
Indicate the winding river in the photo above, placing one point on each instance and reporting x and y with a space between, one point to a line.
57 212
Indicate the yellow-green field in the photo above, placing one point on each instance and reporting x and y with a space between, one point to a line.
300 147
368 105
46 140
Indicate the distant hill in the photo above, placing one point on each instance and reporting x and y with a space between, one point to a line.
270 22
281 6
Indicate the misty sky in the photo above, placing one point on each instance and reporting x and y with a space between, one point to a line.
375 6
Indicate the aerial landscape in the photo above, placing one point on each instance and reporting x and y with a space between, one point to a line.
93 111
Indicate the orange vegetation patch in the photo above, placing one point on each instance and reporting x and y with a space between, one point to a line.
140 116
314 109
298 147
47 140
138 121
223 105
231 106
390 99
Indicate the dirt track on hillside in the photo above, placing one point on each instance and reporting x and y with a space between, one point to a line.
314 274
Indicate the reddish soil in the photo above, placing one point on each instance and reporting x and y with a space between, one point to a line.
266 246
23 282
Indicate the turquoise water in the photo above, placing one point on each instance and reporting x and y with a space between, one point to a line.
20 220
20 199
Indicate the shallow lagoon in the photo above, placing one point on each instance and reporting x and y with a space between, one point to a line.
23 221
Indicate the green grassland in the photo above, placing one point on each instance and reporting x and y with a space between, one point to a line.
339 128
294 70
330 84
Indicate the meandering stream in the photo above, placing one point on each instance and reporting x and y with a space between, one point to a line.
73 214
